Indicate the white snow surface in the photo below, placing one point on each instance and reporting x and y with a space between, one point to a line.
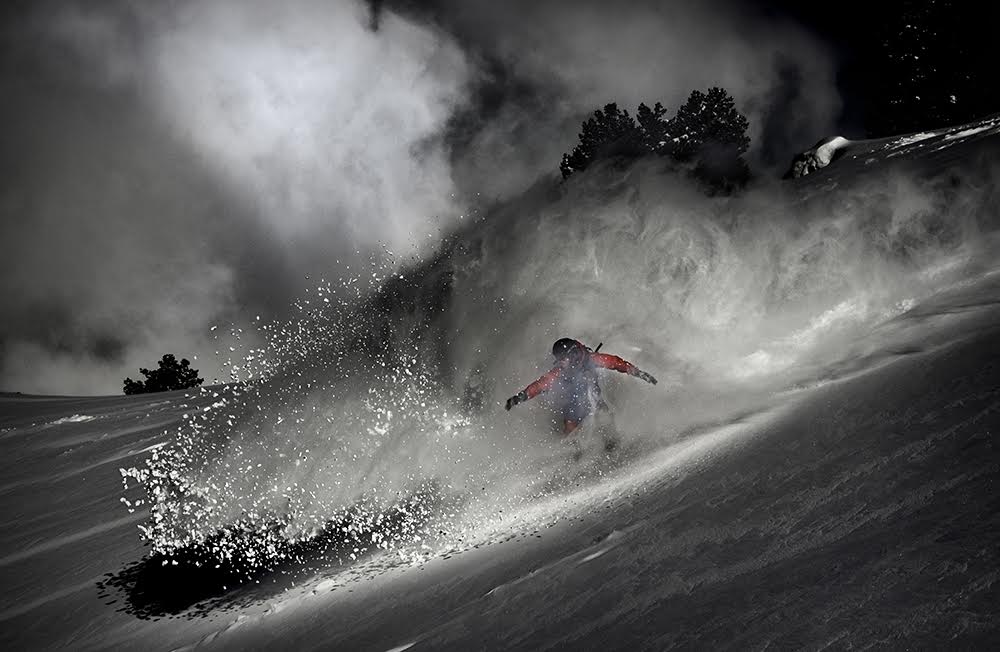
965 133
913 138
76 418
814 468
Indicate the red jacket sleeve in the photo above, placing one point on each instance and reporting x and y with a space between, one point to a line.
543 383
608 361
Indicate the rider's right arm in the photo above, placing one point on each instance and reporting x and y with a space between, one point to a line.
543 383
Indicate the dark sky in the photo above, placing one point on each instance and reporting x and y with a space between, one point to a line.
173 166
905 64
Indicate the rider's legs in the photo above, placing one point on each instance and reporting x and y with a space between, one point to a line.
575 408
604 424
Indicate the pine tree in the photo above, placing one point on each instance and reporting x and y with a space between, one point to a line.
169 375
610 133
706 120
708 135
653 126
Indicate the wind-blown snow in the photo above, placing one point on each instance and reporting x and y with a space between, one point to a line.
376 417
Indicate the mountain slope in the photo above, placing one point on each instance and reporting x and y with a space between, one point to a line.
818 468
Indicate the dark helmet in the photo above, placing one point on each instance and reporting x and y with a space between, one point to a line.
567 347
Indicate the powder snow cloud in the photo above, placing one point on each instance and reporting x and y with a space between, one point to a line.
184 164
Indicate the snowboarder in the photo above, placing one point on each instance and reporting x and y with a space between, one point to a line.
573 381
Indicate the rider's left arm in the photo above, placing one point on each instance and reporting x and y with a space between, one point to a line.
608 361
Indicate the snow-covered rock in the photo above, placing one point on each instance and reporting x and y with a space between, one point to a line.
820 156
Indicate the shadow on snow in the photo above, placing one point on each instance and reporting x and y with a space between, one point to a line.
193 583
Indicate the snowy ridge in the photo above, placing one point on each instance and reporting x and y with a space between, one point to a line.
871 151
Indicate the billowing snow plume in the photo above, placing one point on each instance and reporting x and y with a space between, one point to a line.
365 407
215 154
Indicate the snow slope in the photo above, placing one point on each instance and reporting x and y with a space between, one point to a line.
829 482
933 146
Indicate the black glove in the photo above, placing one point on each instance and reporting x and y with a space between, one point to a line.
645 376
520 397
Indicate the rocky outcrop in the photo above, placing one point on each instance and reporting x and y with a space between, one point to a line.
820 156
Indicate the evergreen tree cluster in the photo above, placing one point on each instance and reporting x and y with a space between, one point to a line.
707 132
170 375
